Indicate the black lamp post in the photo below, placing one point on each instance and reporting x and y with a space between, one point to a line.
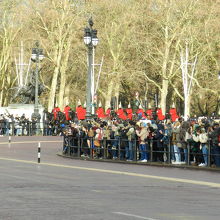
36 56
91 41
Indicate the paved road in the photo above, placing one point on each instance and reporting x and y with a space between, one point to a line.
61 188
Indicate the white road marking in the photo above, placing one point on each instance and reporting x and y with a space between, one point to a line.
135 216
170 179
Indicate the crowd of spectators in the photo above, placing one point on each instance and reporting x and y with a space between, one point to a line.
195 142
17 125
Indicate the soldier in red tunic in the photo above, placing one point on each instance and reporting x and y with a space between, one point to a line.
80 111
129 112
173 113
100 111
66 112
120 113
55 112
160 114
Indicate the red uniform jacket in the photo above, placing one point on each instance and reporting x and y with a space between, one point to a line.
160 114
66 112
100 112
55 111
149 112
129 113
173 114
108 112
81 113
121 114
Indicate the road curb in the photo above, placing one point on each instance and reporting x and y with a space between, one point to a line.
182 166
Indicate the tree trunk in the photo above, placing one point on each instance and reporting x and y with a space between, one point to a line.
186 108
117 91
2 92
62 89
108 95
165 82
54 81
53 89
63 74
66 99
164 93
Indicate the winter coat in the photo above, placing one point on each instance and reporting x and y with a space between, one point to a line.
183 133
203 138
214 136
159 135
131 134
143 134
176 136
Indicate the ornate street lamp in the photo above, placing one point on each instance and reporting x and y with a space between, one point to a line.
36 57
91 41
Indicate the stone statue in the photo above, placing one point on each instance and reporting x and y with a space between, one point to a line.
26 94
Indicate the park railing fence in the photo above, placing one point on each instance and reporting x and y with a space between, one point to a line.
123 150
29 129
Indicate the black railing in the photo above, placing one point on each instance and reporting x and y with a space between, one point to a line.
118 149
30 129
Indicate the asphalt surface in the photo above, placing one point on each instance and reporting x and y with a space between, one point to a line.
61 188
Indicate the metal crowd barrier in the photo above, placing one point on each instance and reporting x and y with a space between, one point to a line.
29 129
83 148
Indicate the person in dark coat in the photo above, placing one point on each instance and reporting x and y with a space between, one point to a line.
215 137
159 142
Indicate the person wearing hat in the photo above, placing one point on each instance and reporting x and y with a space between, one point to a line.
175 141
80 111
173 113
115 135
120 112
203 138
55 112
160 115
129 111
100 111
98 142
131 142
66 112
143 134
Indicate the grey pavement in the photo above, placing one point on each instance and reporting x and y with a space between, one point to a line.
59 189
